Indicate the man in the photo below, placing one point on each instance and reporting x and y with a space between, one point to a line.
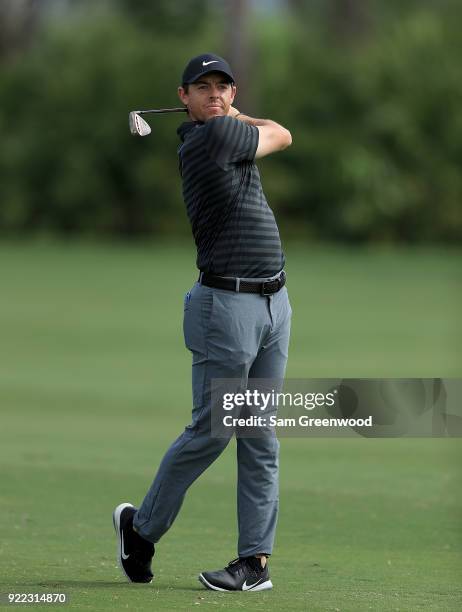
236 324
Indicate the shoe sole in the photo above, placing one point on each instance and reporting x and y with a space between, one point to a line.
116 521
264 586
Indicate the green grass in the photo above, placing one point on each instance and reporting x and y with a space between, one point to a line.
95 383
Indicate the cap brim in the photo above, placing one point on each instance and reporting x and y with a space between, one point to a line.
207 71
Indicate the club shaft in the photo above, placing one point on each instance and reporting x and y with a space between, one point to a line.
161 110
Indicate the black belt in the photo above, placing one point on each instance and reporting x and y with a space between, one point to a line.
243 286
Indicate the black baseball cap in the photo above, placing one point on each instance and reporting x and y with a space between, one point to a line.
202 64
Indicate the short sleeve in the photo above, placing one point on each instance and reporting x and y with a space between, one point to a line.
229 141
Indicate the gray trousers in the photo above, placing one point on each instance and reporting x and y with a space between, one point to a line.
238 336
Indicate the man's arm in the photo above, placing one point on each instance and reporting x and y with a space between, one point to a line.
272 136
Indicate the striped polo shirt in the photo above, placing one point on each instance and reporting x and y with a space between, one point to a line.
234 228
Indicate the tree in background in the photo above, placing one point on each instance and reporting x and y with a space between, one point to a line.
349 19
377 140
375 118
18 24
161 17
240 53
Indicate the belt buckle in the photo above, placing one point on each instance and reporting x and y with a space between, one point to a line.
263 292
280 282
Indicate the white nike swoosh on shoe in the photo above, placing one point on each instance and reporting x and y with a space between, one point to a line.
211 62
124 556
247 587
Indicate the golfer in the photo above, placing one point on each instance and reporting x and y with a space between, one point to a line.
236 325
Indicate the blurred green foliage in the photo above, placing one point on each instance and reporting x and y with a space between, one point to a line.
376 122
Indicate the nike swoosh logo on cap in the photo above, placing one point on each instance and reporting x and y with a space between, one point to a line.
207 63
124 556
247 587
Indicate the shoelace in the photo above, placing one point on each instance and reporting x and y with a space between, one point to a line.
252 564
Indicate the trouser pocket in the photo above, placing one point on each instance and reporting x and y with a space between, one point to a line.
198 304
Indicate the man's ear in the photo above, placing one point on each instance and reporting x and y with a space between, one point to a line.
183 96
233 92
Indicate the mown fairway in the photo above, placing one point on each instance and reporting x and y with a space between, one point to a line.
95 383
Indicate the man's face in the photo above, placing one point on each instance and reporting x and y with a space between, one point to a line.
210 96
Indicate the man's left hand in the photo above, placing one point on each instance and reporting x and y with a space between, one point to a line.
233 112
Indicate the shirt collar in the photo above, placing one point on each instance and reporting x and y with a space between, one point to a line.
186 127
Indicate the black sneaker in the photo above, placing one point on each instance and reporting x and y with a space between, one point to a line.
242 574
134 553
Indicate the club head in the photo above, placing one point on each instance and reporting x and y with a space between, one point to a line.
138 126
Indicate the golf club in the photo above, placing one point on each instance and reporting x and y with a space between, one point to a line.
139 127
